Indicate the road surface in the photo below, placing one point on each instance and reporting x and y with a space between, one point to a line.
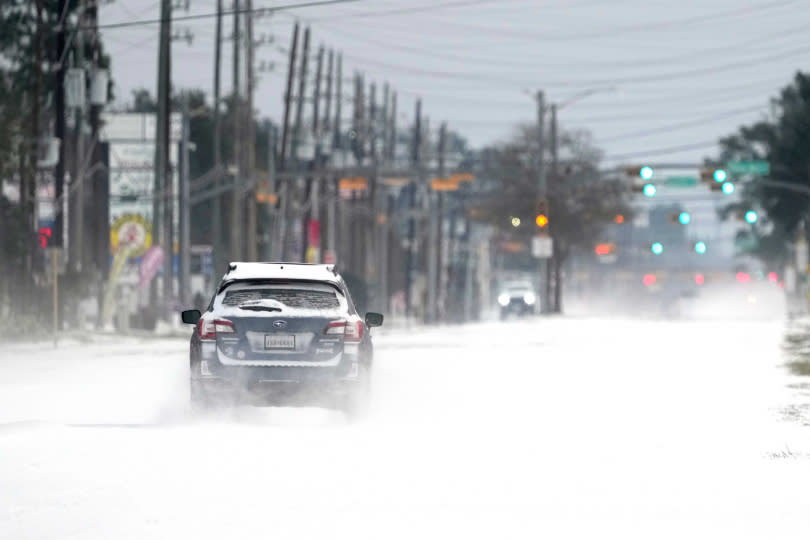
557 428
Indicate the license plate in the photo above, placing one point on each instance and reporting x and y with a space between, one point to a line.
275 341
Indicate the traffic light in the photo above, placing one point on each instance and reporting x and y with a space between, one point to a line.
699 279
700 248
648 279
727 188
717 176
44 235
751 217
657 248
604 249
619 219
542 214
684 218
649 190
645 172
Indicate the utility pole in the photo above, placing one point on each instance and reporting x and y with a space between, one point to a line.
328 190
270 217
185 213
410 255
77 178
251 250
285 127
433 223
337 148
237 239
382 206
301 97
161 149
541 187
168 184
552 278
314 226
392 145
440 262
356 244
371 239
384 115
59 129
216 202
284 190
294 188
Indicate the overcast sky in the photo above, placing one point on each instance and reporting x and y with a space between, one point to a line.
672 73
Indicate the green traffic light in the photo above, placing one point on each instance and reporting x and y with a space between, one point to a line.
751 217
728 188
650 190
646 172
700 248
684 218
657 248
720 175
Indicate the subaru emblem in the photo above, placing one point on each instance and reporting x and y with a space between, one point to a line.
279 324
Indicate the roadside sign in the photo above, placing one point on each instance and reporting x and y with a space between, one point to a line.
680 181
266 198
395 181
462 177
749 167
354 183
542 247
443 184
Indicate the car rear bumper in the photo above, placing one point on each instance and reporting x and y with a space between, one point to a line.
326 393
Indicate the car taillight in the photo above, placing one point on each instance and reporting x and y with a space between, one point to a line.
223 326
208 329
351 331
205 329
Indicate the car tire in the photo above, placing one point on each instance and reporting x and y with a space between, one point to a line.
198 398
356 402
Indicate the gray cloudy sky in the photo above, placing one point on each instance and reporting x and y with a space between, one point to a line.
684 72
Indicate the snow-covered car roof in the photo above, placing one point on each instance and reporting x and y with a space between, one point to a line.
240 271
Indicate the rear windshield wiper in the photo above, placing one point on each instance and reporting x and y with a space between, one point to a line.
260 308
262 305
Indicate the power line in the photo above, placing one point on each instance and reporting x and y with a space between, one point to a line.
681 125
620 30
283 7
637 79
489 62
404 11
706 145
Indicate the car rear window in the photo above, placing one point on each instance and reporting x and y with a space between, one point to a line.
298 298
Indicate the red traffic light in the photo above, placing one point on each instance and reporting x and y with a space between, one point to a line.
700 279
604 249
44 236
649 279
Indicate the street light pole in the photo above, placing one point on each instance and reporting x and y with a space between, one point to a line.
541 189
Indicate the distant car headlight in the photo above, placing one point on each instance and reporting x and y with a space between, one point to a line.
529 298
503 299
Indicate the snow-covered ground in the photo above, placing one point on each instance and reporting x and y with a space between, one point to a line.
556 428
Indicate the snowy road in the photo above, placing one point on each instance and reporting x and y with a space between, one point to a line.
566 428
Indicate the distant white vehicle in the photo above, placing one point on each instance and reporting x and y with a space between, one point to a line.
517 298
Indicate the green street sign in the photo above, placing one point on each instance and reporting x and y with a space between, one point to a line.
681 181
749 167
